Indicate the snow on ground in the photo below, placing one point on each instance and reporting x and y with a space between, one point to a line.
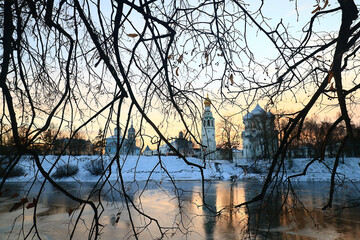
150 167
321 171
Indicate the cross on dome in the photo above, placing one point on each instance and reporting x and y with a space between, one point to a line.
207 101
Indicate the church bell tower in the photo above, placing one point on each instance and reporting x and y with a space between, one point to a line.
208 131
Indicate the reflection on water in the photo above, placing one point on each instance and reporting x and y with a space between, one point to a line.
281 217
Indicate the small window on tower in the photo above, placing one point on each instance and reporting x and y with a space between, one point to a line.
209 123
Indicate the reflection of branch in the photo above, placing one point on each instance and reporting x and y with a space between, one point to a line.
66 193
128 200
302 204
336 163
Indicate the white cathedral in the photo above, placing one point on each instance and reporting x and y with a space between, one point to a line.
129 144
260 139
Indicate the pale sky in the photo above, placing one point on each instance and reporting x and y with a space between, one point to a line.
263 51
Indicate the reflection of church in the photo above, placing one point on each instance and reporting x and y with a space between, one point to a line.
128 147
260 139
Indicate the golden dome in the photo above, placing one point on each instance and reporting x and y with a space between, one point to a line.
207 101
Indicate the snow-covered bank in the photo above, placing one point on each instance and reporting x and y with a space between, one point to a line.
150 167
321 171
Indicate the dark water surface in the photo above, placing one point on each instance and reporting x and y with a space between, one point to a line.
281 217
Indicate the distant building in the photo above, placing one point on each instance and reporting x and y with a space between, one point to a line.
163 150
300 152
208 131
181 144
237 154
147 151
197 152
129 144
260 139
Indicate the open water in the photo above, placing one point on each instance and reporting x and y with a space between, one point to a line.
180 212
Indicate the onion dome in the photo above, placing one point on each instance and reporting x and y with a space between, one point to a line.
132 129
207 101
248 116
117 130
258 111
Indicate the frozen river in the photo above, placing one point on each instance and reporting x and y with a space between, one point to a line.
274 220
